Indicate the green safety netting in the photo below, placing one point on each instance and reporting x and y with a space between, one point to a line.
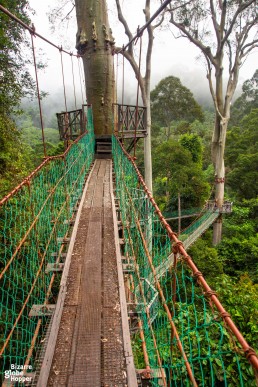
34 221
199 222
214 355
198 227
184 212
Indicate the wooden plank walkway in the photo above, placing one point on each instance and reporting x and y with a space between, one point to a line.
89 348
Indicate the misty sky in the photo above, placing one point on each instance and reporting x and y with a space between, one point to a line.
170 56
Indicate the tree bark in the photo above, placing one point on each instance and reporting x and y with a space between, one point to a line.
94 43
217 231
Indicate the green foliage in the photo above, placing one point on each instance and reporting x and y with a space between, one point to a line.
207 259
32 139
174 160
206 342
171 101
15 82
244 177
32 136
193 143
47 200
241 300
15 78
247 101
137 352
242 157
239 247
209 173
175 171
15 162
21 152
204 130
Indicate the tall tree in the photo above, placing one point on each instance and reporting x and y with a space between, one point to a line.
143 79
15 82
224 32
94 42
247 101
171 101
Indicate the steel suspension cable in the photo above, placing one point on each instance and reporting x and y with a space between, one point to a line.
83 82
33 33
117 73
74 90
123 92
115 106
66 129
38 95
141 29
79 70
137 97
62 66
30 29
114 96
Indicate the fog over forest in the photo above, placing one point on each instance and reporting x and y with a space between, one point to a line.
171 56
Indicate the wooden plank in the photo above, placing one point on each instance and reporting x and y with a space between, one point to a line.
87 362
88 349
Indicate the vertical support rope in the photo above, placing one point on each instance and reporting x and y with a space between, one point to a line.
83 81
114 97
74 90
123 94
116 110
75 102
62 65
79 70
66 123
38 95
117 73
137 97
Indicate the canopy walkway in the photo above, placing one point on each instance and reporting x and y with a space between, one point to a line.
96 289
192 233
188 237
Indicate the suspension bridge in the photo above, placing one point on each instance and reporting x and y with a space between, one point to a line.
96 289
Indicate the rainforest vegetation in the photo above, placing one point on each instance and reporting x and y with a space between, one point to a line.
182 163
181 145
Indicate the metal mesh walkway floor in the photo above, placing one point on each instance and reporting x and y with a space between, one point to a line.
89 349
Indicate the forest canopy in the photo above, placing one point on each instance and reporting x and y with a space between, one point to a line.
183 171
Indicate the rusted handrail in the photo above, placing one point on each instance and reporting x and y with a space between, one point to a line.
249 352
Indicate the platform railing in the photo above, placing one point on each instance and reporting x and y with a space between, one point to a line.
130 120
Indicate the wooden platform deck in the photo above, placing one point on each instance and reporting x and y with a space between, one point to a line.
91 347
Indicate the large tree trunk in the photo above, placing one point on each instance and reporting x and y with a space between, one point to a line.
218 150
94 42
